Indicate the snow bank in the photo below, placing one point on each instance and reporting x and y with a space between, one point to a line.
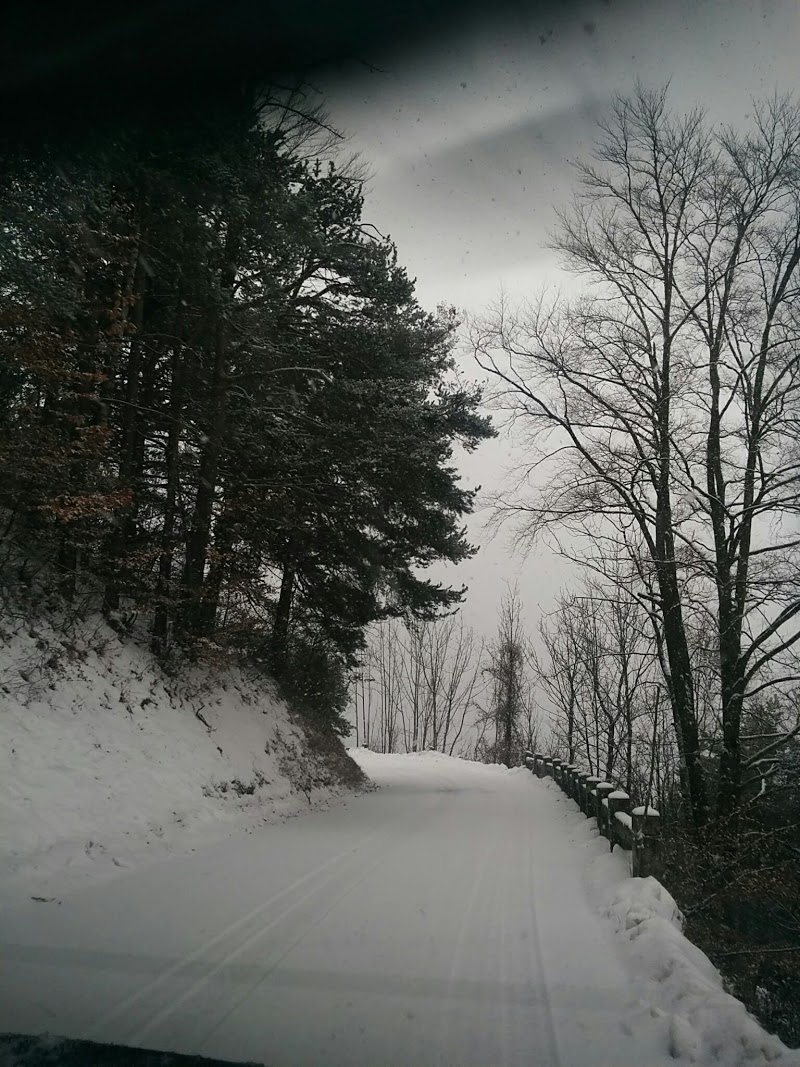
106 761
677 981
706 1024
421 770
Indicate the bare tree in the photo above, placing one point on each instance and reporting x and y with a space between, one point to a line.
361 700
559 674
511 709
425 681
598 672
661 406
415 695
450 658
386 662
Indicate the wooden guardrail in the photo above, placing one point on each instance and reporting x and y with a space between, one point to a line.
634 828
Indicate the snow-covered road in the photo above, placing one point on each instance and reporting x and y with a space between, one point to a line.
439 920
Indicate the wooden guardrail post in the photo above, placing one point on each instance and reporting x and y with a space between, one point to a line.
592 781
646 853
618 800
547 767
565 769
577 782
557 769
577 785
571 774
538 764
583 777
602 789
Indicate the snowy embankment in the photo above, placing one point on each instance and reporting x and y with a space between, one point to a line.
678 984
107 762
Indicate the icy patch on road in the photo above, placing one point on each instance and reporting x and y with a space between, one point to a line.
106 761
678 982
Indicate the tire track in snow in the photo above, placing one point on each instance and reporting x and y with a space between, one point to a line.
415 822
537 955
276 962
505 1015
384 834
456 961
170 1010
192 959
520 962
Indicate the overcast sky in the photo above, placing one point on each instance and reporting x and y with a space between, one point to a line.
468 142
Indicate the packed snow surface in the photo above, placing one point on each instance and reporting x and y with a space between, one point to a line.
460 915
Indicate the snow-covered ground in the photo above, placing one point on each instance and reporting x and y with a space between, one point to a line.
459 915
106 762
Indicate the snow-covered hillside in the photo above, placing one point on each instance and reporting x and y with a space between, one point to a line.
107 762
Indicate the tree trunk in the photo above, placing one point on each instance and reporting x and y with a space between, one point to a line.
125 523
164 611
732 694
223 544
681 681
198 536
199 533
692 775
283 612
67 563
